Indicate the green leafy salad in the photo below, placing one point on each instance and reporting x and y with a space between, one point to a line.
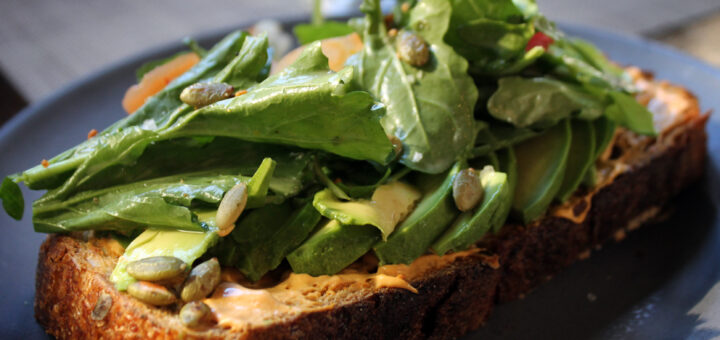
452 117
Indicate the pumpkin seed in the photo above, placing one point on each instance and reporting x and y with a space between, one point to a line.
201 281
203 94
151 293
231 206
156 268
467 189
102 307
194 314
412 48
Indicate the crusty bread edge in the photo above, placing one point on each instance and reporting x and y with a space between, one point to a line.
451 301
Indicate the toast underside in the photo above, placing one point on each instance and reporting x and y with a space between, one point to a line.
73 274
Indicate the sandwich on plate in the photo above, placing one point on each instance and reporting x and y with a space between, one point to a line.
395 176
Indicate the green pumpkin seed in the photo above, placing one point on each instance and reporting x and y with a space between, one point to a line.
412 48
467 189
151 293
194 314
201 281
231 206
156 268
203 94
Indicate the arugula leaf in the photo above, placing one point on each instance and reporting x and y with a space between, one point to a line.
364 191
498 135
626 111
184 155
249 66
504 67
570 65
325 180
580 61
528 8
494 39
429 108
493 35
307 33
12 198
160 203
193 45
597 58
541 102
172 202
305 105
258 185
464 11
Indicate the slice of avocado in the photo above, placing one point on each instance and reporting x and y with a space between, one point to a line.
187 246
508 165
435 211
604 133
332 248
541 164
470 226
267 235
581 157
389 204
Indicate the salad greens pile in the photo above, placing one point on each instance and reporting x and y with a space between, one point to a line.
492 85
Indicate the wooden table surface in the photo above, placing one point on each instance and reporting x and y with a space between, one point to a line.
45 45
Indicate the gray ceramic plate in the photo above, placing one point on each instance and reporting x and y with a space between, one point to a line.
661 282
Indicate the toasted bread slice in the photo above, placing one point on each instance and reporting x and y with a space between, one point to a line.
453 297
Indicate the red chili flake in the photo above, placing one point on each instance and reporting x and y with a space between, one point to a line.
539 39
338 180
240 93
92 133
45 163
167 81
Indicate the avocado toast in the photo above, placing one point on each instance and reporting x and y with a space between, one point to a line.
326 248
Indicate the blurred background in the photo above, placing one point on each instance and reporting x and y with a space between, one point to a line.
46 44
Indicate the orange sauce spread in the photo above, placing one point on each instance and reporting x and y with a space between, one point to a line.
236 305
